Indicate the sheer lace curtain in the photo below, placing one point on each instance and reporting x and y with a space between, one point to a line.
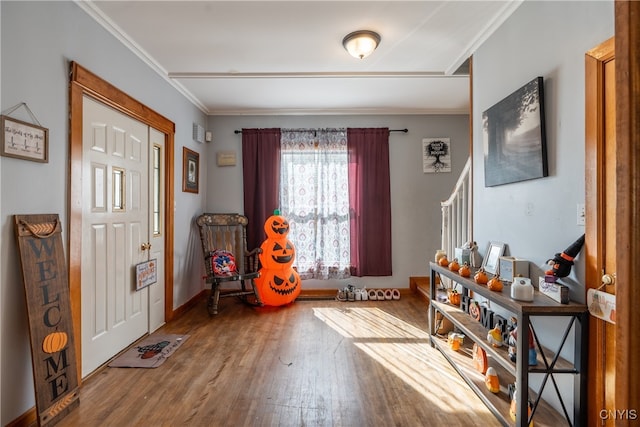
314 197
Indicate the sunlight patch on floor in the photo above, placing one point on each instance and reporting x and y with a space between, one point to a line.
404 350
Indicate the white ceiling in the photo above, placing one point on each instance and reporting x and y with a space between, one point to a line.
286 57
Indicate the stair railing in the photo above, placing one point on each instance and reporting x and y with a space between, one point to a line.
457 213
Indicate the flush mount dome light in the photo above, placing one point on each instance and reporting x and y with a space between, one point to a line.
361 43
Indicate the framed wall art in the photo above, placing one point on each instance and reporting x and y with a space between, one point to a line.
190 171
436 155
24 140
515 146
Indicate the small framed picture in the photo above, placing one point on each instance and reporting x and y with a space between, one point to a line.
190 170
436 155
491 260
24 140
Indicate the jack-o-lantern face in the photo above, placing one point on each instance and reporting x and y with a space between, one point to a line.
278 287
276 227
277 254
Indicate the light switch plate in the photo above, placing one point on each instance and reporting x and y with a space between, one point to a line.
580 214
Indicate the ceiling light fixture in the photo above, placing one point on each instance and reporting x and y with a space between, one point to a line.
361 43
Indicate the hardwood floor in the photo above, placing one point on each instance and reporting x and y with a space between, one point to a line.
313 363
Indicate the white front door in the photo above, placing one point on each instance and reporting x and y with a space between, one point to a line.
115 225
157 225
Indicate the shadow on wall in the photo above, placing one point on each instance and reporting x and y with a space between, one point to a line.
192 266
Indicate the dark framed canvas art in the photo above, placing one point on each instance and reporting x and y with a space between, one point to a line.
515 146
190 170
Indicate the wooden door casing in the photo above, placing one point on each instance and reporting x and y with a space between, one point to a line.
83 82
625 393
627 34
600 217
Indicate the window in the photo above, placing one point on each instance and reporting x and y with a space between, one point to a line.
118 187
157 190
314 197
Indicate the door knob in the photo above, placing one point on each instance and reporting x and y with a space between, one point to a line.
608 279
145 246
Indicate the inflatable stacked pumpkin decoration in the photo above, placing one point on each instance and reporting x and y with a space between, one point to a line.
279 283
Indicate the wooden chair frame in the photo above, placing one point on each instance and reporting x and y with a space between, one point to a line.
228 232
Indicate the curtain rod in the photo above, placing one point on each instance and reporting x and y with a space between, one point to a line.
405 130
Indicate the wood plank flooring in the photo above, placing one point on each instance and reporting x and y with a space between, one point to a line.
313 363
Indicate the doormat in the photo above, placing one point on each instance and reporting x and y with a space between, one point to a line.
150 352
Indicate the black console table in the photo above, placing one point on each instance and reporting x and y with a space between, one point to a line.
550 363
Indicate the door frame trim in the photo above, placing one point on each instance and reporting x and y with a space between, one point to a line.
627 238
85 83
627 34
595 60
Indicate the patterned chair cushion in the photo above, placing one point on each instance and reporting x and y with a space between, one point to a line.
223 263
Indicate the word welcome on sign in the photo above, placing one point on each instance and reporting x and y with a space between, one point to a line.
49 310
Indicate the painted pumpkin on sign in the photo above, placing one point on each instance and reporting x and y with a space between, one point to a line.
474 311
54 342
277 254
276 227
277 287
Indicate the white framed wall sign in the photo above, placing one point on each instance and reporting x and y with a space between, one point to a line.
436 155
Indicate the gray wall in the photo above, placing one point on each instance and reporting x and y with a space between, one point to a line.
541 38
38 40
415 196
538 218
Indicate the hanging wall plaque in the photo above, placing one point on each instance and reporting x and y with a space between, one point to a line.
24 140
46 289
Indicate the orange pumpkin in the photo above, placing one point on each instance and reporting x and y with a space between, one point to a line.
276 227
465 271
454 265
443 261
481 277
277 287
454 297
277 254
495 284
54 342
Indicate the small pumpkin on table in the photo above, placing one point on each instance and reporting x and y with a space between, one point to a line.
443 261
465 271
495 284
481 277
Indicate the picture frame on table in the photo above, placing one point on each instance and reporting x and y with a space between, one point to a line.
491 261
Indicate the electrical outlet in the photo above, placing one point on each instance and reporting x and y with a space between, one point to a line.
580 214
